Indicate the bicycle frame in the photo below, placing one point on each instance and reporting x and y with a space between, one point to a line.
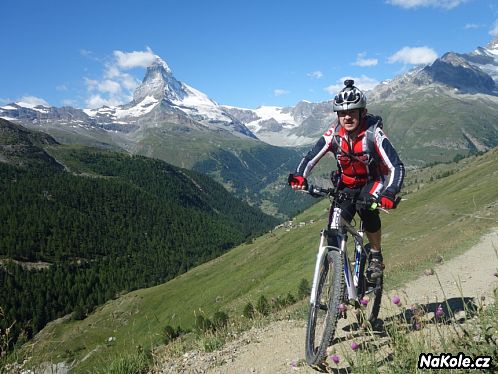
351 275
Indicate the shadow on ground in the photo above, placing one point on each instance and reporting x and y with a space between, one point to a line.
414 318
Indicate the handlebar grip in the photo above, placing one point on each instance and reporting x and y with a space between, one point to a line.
316 191
397 201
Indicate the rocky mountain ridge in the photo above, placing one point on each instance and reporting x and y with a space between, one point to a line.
160 97
162 104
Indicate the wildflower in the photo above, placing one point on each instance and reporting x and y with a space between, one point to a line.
396 300
364 301
342 308
293 364
439 311
354 346
417 326
335 359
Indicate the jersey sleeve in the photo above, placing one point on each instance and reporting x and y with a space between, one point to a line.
322 146
391 160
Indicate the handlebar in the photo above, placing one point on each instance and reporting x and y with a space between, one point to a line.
365 203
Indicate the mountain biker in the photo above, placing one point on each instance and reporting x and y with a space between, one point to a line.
367 166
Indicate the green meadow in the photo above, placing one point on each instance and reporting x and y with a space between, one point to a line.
445 210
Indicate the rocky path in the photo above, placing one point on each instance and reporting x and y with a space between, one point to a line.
279 347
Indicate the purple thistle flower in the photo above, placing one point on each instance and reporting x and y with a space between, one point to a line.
354 346
364 301
335 359
396 300
439 311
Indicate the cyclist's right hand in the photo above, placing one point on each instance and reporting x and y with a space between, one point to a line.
297 182
388 201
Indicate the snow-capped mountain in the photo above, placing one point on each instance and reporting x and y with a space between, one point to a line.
289 126
158 99
472 73
427 96
457 95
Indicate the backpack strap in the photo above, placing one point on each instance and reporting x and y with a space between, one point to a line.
373 123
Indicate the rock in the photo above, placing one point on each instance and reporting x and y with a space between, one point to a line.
429 271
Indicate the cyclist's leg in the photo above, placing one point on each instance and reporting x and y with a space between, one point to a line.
372 225
348 211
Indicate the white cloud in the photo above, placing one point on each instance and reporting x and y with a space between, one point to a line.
70 102
116 86
6 100
32 101
494 30
97 101
109 86
409 4
135 59
469 26
413 56
280 92
61 87
362 61
315 74
364 83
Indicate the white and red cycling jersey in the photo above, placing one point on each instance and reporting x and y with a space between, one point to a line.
369 157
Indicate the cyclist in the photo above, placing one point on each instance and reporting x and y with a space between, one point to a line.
367 166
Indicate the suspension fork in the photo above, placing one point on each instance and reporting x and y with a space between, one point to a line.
348 271
323 250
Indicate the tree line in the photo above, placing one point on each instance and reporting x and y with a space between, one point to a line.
133 223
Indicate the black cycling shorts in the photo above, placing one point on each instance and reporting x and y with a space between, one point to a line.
370 218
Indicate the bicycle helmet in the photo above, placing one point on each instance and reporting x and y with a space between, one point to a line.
349 98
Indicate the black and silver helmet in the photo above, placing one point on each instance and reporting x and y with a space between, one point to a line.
349 98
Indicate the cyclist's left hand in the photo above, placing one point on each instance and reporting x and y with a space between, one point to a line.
387 201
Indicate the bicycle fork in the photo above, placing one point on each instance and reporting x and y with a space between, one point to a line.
351 276
320 261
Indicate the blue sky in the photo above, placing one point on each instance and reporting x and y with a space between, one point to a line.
246 54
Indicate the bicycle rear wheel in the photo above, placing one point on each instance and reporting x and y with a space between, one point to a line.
323 316
372 292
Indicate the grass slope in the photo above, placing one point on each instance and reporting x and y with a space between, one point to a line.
251 169
430 126
441 218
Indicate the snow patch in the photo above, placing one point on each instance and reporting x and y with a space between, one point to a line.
144 107
198 103
266 113
8 107
8 118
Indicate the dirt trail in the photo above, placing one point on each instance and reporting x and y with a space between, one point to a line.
279 347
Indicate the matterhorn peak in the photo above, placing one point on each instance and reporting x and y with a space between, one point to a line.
160 83
493 45
160 63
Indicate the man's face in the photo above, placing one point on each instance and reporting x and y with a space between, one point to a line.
349 119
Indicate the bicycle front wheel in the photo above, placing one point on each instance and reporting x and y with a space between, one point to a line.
324 313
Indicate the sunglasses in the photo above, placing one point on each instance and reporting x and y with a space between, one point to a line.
351 112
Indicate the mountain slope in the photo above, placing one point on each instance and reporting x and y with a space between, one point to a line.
21 147
433 113
113 223
172 121
437 125
441 218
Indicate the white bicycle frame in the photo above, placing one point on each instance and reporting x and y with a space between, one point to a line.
351 276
